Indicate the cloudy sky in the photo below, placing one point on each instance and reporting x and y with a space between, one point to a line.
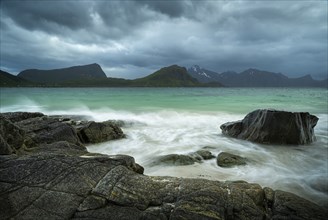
130 39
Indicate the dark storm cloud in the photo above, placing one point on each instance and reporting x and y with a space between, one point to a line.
44 15
169 8
133 38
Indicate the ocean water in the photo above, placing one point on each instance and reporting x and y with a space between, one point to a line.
183 120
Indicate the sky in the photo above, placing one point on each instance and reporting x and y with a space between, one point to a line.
131 39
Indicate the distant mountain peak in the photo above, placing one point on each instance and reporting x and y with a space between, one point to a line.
197 70
307 76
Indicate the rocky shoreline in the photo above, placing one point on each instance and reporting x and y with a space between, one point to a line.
47 173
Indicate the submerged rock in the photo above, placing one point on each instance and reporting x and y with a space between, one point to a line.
273 127
61 180
181 159
205 154
225 159
176 160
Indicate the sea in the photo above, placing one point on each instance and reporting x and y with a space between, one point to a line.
163 121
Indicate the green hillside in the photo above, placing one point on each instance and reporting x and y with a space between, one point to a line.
171 76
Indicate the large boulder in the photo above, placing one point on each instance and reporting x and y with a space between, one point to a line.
273 127
95 132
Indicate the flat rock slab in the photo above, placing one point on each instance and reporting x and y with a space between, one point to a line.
66 186
273 127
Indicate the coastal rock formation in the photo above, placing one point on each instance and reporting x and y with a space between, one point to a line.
96 132
61 180
225 159
273 127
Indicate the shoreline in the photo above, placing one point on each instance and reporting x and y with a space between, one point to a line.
61 170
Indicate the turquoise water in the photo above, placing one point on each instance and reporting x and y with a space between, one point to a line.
236 100
184 120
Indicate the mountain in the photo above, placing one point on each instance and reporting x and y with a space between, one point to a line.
203 75
9 80
256 78
92 75
171 76
253 78
75 73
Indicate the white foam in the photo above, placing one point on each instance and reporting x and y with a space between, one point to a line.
166 132
291 168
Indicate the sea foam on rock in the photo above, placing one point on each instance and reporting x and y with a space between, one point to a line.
273 127
57 178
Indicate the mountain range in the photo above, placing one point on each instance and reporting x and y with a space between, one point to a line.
253 78
92 75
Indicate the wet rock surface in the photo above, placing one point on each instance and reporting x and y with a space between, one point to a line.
273 127
225 159
181 159
96 132
59 179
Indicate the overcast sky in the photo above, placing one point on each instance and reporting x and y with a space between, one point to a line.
130 39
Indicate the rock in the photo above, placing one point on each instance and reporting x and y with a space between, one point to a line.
288 206
55 186
205 154
182 160
60 147
176 160
96 132
61 180
20 116
5 147
273 127
128 161
45 130
11 136
225 159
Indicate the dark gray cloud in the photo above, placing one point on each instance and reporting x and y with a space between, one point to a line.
45 15
131 39
170 8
